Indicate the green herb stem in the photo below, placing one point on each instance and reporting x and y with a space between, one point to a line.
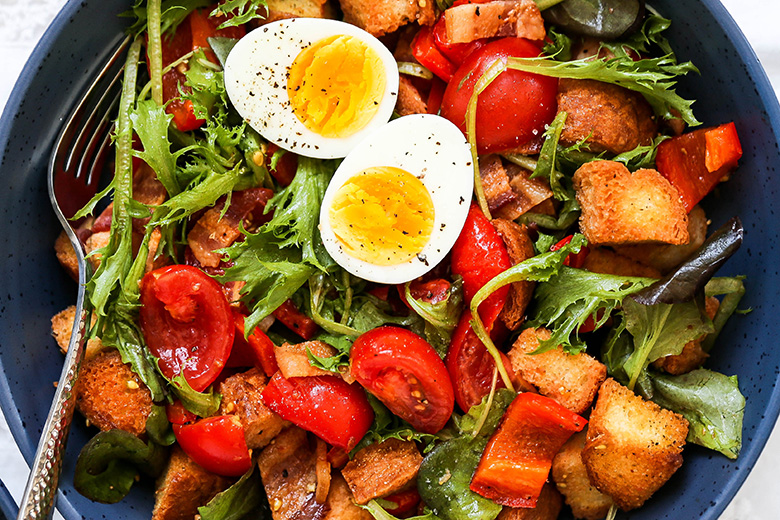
546 4
154 50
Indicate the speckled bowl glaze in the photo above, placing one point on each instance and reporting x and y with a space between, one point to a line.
732 86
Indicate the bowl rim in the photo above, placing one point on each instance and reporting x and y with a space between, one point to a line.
720 15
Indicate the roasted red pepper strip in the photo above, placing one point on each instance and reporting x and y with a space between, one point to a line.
425 51
478 256
572 260
295 320
695 162
518 457
256 351
435 96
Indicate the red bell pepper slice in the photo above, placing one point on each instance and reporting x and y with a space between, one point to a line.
517 460
255 351
404 501
425 51
572 260
455 52
295 320
435 96
697 161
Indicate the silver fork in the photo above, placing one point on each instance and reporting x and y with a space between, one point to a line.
75 166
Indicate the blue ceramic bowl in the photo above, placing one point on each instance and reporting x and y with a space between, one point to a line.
732 86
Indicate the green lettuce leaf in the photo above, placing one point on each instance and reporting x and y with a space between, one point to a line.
202 404
660 330
732 290
379 512
567 300
150 122
241 11
245 497
712 404
386 426
547 165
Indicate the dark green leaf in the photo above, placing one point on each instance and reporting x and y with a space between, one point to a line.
440 318
547 166
109 463
559 46
682 284
202 404
173 13
247 496
158 428
388 426
444 478
602 19
641 156
222 47
711 402
643 41
732 290
482 421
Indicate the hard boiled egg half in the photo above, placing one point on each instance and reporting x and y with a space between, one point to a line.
312 86
397 203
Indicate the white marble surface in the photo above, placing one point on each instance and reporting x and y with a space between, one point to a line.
22 22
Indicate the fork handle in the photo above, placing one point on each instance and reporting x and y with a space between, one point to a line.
41 490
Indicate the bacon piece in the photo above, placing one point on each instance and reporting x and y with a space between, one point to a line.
215 231
469 22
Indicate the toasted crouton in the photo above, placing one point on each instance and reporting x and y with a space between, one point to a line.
605 261
62 327
528 193
380 17
571 478
241 396
520 248
110 394
381 469
611 117
410 100
341 503
184 487
620 207
498 18
548 507
293 360
692 355
288 470
665 257
633 446
572 380
66 255
282 9
495 182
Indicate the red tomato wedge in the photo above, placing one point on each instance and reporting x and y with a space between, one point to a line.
696 162
187 323
337 412
217 444
178 414
404 372
255 351
404 501
425 51
513 109
572 260
470 365
518 457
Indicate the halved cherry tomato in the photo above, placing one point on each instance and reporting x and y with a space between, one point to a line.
404 372
255 351
519 455
186 321
295 320
425 51
217 444
337 412
470 365
572 260
513 109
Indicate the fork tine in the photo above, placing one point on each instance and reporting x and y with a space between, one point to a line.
98 136
101 109
99 159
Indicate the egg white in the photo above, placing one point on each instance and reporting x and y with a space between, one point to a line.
435 151
256 73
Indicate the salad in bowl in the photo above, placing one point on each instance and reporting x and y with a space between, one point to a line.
405 260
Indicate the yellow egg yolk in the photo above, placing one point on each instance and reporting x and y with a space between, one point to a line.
335 85
383 216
